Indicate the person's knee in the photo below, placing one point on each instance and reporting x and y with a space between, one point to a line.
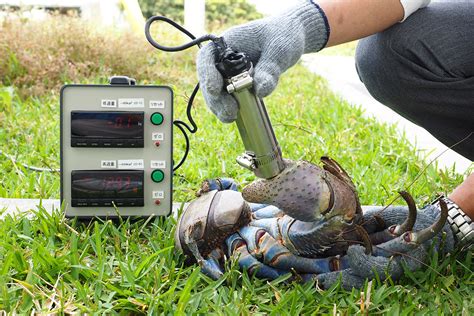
378 69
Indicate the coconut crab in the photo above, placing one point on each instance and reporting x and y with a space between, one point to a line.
314 228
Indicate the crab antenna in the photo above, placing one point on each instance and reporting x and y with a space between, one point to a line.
431 231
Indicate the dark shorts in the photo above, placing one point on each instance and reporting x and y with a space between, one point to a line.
423 69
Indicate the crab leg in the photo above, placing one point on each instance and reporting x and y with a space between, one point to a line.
267 211
218 184
412 240
209 266
262 245
397 230
238 250
431 231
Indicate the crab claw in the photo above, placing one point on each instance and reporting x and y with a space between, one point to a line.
307 192
211 266
207 222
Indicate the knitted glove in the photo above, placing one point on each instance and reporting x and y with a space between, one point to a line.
273 44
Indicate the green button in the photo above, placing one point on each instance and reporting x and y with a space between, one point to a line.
157 176
157 118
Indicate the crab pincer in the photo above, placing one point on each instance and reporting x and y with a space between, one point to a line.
307 192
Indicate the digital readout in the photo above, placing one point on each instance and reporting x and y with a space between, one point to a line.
99 184
107 125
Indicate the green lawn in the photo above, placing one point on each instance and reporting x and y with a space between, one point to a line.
51 263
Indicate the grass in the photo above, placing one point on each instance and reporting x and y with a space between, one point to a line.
51 264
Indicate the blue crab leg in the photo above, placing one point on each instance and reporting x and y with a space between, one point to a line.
267 211
238 249
219 184
274 254
209 266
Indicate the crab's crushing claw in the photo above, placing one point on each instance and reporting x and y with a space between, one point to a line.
307 192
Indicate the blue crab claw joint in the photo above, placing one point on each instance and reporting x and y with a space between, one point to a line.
219 184
207 222
265 247
307 192
211 266
267 211
239 251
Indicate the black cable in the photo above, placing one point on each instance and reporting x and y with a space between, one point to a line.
182 125
195 41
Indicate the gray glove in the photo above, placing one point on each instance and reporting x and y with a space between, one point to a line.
273 44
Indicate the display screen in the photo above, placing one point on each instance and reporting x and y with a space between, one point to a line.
98 184
97 125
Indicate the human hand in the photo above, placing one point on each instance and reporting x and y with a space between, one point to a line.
273 44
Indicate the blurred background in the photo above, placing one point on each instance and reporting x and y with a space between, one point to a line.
45 43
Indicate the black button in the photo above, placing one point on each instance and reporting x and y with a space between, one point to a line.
135 202
106 202
120 202
79 142
79 203
135 143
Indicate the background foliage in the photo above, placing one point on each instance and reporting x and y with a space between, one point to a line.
223 12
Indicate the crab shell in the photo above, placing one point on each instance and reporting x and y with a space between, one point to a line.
210 219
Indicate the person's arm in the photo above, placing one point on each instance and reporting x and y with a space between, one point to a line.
463 196
276 43
353 19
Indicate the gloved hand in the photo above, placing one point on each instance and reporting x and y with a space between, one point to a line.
395 245
273 44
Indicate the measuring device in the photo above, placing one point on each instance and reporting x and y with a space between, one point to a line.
116 149
116 140
262 153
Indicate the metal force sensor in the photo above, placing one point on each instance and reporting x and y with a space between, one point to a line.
262 152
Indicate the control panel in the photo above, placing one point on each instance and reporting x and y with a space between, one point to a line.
116 150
